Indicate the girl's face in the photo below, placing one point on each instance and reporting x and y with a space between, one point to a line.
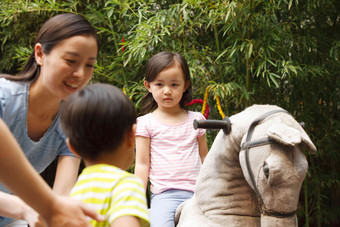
68 67
168 87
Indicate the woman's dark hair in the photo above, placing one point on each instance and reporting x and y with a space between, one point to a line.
52 32
158 63
96 119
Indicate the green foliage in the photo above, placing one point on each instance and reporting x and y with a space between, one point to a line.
20 21
282 52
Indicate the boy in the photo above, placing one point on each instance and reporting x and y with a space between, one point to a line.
99 122
16 171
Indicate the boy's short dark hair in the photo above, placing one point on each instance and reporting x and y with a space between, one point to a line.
96 119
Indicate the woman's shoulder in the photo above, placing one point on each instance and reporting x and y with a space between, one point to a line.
12 87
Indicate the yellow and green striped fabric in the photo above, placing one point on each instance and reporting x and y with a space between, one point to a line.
112 192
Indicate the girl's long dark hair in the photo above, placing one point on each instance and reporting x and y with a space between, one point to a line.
155 65
52 32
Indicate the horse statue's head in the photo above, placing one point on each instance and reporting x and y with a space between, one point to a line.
253 173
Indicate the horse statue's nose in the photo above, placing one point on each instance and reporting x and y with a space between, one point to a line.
224 124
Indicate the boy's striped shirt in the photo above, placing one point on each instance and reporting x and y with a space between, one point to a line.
112 192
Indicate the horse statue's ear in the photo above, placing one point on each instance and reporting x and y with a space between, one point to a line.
286 135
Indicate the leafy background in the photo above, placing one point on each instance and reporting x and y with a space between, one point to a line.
281 52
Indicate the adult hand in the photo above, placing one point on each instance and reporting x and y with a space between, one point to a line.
32 217
39 223
67 212
14 207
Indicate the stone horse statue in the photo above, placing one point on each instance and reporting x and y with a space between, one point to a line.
253 173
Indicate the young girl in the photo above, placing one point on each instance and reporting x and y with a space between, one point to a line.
168 150
62 62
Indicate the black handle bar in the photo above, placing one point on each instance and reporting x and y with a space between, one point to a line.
224 124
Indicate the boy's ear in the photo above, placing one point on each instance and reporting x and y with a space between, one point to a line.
71 147
39 54
131 136
147 85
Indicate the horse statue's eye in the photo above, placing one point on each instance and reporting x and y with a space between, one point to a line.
266 169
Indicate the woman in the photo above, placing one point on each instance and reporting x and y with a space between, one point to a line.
62 62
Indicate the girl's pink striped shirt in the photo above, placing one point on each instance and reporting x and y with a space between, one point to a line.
174 156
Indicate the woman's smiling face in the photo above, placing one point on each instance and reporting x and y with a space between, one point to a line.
69 65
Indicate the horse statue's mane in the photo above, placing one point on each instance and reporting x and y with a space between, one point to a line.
251 178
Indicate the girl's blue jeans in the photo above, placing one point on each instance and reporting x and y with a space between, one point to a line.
163 206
